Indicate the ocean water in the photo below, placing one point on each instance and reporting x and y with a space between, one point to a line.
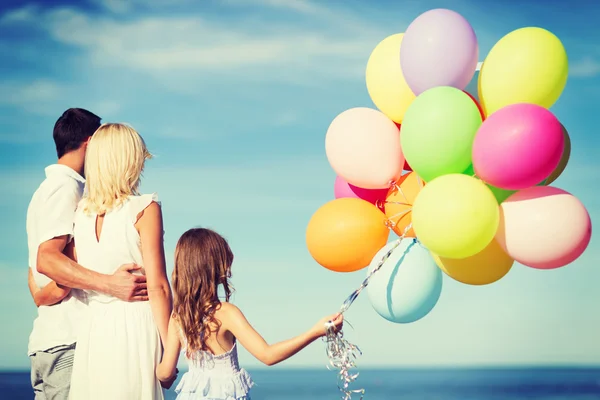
432 384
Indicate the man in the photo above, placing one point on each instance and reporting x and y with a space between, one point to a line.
52 273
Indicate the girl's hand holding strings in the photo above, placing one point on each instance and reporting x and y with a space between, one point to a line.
320 329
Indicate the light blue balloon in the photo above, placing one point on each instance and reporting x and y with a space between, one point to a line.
408 285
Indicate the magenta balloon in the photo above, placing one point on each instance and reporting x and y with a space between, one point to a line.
344 189
518 146
439 48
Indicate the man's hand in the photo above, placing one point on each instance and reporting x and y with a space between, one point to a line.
126 286
167 383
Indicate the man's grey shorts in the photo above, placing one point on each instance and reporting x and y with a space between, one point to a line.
51 372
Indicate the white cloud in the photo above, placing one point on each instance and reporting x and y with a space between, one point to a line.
125 6
23 14
585 68
165 45
337 17
40 97
301 6
45 97
36 91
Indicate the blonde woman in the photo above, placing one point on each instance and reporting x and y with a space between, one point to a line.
119 345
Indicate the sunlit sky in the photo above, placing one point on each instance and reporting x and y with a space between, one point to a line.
234 98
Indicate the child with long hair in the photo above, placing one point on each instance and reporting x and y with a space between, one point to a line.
208 329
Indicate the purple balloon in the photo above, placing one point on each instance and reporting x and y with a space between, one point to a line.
439 48
344 189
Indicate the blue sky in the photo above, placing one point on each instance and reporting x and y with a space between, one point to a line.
234 98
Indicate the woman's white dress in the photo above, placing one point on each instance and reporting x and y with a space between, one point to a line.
118 347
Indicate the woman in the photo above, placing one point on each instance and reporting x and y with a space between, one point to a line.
119 345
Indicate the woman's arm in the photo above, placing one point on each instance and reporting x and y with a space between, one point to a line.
150 227
235 321
166 371
49 294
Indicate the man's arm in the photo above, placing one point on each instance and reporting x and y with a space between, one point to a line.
55 265
49 294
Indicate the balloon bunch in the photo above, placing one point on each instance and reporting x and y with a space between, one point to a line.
466 179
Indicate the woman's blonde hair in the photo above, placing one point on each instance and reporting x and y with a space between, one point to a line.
114 163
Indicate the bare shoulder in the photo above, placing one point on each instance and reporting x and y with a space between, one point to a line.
150 215
228 312
153 209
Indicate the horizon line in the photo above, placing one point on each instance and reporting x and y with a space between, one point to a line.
514 367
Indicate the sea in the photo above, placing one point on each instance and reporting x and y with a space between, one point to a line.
402 384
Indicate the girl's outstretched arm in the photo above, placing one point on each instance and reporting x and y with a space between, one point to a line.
166 371
235 321
150 227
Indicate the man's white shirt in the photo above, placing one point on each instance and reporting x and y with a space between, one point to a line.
50 214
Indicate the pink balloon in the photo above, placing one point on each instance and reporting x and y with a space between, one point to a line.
518 146
544 227
363 147
344 189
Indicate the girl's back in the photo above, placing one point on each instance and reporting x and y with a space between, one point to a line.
214 373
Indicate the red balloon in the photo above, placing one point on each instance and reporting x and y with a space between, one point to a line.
477 104
406 166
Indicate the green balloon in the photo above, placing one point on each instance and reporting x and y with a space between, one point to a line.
503 194
469 171
438 130
499 194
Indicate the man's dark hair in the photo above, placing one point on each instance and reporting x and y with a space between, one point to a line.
73 128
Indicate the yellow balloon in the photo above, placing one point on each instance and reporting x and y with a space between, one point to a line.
485 267
385 81
529 65
455 216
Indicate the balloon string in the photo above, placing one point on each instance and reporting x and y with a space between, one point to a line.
400 203
390 220
420 181
341 353
399 189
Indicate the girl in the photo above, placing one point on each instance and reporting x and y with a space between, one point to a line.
119 345
208 329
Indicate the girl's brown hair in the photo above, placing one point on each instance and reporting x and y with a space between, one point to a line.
203 261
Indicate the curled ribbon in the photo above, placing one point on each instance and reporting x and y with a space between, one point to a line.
341 353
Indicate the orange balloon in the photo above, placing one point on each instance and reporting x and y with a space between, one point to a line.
399 202
563 161
345 234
